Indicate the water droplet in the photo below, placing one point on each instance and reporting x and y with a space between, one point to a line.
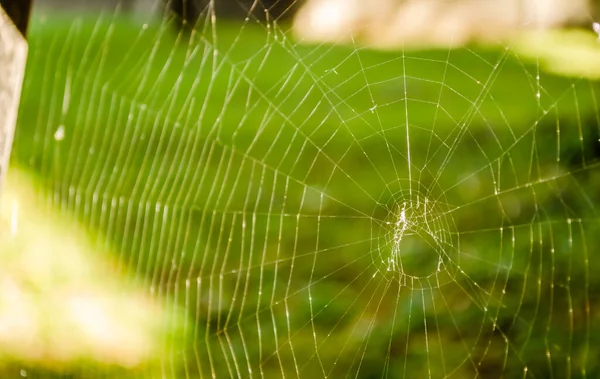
59 134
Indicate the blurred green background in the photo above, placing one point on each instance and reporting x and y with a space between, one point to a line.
253 183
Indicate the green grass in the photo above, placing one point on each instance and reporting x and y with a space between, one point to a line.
152 125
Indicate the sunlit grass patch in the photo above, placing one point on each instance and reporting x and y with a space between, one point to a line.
573 53
61 301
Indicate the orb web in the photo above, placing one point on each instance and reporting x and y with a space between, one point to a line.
326 211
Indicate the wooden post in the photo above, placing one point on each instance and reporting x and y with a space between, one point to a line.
18 11
13 53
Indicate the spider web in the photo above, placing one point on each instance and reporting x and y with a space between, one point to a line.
327 211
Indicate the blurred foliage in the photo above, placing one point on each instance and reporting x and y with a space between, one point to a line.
147 115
